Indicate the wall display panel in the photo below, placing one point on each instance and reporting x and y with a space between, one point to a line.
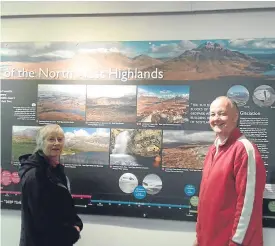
135 117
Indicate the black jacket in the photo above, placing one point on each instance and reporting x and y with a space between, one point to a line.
47 210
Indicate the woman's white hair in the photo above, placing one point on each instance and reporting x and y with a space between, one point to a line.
44 132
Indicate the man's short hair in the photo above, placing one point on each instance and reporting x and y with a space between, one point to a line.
234 106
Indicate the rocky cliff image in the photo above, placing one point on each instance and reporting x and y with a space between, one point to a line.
23 141
163 104
87 146
111 103
61 102
185 149
135 147
177 59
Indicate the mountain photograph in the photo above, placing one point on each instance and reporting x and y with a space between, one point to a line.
61 102
86 146
23 141
111 103
216 59
177 59
185 149
239 94
163 104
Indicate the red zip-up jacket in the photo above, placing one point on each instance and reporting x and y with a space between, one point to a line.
231 194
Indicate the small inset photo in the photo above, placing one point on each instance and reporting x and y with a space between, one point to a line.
238 94
61 102
152 184
264 96
128 182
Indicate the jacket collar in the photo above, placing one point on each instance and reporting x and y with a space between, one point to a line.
49 169
235 134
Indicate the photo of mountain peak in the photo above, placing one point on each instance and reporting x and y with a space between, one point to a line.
214 59
88 146
177 59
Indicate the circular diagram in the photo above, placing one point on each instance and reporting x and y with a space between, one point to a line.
6 178
140 192
128 182
264 96
152 184
271 206
189 190
194 201
15 178
239 94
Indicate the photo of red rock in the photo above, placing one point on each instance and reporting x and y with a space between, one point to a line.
111 103
161 104
61 102
185 149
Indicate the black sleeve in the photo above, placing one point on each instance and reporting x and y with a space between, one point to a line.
40 208
78 222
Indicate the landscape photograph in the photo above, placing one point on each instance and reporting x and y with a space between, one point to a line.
87 146
205 59
135 147
111 103
23 141
185 149
61 102
163 104
239 94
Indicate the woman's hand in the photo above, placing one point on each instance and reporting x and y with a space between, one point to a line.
77 228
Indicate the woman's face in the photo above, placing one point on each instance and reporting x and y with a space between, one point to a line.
53 144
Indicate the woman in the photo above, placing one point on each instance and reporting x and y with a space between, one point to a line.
48 214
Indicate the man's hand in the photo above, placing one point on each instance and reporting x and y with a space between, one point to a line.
195 243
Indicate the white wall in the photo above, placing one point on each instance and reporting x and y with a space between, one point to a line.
168 27
120 231
95 7
115 231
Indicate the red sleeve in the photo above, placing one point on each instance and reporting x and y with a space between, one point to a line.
250 178
198 229
198 226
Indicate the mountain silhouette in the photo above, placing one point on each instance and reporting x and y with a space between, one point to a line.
210 60
213 51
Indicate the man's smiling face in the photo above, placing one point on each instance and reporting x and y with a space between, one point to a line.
223 117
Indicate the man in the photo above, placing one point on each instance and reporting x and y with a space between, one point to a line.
232 186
